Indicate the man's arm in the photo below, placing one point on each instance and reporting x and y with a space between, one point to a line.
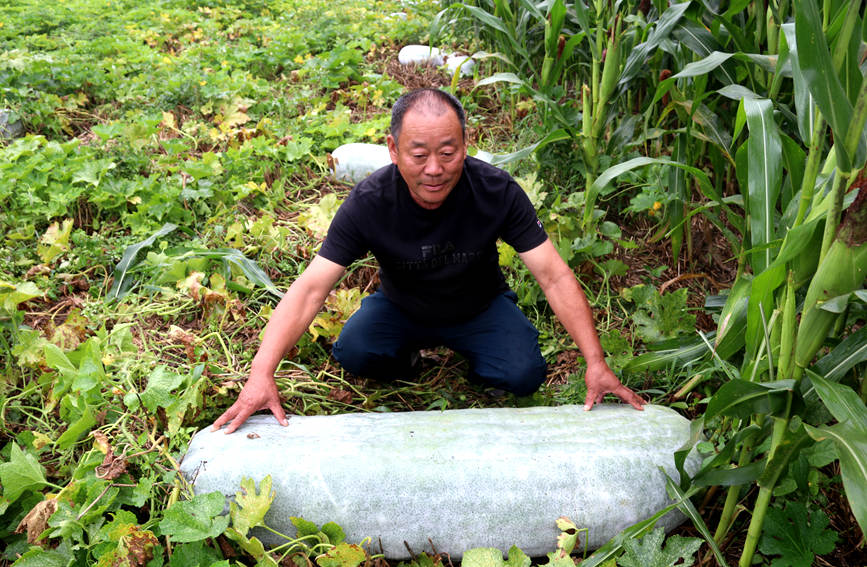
571 307
290 319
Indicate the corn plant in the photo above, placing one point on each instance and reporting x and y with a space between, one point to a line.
795 251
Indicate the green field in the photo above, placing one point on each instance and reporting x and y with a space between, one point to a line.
698 165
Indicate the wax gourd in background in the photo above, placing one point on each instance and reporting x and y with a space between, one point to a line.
460 479
353 162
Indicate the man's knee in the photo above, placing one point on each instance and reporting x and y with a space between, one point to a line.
359 357
520 376
524 379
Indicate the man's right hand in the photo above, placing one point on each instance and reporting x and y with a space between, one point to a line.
257 394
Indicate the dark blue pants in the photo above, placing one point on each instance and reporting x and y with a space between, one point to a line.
500 344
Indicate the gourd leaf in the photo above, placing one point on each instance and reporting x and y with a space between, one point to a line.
11 295
196 519
491 557
649 551
249 507
252 546
342 555
483 557
796 535
22 472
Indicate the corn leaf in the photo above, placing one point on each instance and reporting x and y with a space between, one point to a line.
687 507
664 25
122 282
765 174
821 78
842 401
702 42
555 136
805 105
678 188
788 449
852 351
851 442
743 399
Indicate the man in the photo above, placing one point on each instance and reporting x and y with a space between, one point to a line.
432 220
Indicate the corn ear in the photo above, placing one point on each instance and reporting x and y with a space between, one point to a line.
610 74
842 271
787 338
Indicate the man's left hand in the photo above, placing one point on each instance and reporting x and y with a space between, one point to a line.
600 381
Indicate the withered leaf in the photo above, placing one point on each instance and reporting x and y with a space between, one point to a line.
36 520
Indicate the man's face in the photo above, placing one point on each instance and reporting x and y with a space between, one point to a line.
430 153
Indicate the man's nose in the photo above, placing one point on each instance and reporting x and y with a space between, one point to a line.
433 166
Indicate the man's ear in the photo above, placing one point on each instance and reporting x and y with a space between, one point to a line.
392 148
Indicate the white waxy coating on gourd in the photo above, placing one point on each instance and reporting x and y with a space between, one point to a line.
420 55
353 162
461 478
464 62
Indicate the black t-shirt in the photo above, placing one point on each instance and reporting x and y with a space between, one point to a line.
440 265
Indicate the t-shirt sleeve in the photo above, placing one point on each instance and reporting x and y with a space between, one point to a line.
522 229
344 242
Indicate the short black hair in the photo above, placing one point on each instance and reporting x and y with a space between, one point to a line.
429 96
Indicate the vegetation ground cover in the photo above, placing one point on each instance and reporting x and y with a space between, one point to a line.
692 162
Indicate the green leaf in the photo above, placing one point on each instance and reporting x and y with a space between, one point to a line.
703 66
842 401
483 557
23 472
687 507
844 357
55 241
334 532
666 22
252 546
555 136
38 557
764 178
851 445
196 519
161 384
11 295
77 429
743 399
788 449
342 555
303 527
517 558
501 78
821 78
122 282
649 551
249 507
796 535
614 171
194 554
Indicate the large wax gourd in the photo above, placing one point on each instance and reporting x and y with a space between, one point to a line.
459 479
